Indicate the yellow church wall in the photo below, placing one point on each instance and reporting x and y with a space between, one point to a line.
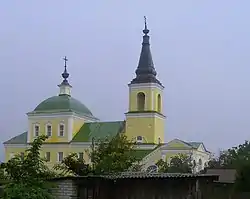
138 126
159 130
54 149
11 151
151 99
77 124
54 122
156 105
133 99
176 144
67 149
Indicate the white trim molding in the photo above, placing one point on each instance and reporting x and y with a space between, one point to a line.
34 116
15 145
46 129
58 156
47 156
146 85
59 129
144 115
35 130
70 128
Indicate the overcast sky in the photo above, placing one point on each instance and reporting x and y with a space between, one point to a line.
200 51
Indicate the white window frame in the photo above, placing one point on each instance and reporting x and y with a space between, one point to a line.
59 129
48 124
139 140
79 155
34 129
58 156
46 157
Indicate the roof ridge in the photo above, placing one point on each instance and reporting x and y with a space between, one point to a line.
104 122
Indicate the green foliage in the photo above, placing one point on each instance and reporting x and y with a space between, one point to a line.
28 175
180 163
112 156
236 158
72 165
107 156
233 158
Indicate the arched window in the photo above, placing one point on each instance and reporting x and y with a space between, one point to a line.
194 163
200 162
141 101
159 103
139 139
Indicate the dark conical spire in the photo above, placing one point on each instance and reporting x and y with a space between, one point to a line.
145 72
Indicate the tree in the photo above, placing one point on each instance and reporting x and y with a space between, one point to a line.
28 175
73 165
109 155
235 158
232 158
180 163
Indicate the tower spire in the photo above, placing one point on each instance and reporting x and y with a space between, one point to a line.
145 72
65 87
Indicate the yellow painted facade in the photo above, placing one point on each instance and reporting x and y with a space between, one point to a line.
151 99
77 124
69 122
11 151
150 128
54 122
53 149
149 122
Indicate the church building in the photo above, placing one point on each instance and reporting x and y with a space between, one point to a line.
71 126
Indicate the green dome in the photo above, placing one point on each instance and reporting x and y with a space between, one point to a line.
62 103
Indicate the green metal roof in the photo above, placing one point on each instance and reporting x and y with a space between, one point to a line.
19 139
98 130
62 103
195 144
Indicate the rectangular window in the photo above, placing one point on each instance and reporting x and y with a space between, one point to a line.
80 155
61 130
49 130
47 156
60 156
36 129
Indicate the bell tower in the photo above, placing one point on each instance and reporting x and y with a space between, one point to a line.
145 119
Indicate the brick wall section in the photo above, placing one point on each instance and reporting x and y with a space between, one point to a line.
64 189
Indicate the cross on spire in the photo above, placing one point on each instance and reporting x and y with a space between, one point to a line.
65 61
65 74
65 86
145 22
146 30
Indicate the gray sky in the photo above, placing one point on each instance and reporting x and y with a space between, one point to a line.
200 50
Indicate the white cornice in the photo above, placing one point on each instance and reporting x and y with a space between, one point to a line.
144 115
146 85
16 145
60 115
